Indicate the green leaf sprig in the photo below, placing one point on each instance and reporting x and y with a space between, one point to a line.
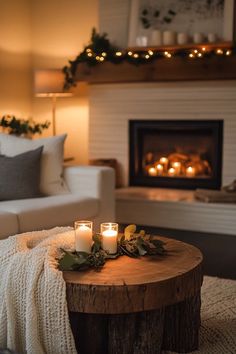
130 243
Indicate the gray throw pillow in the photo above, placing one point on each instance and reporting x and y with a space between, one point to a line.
20 175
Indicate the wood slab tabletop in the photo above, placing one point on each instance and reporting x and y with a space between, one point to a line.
127 285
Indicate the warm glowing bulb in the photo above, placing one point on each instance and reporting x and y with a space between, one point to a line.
191 55
228 52
136 55
150 52
219 51
97 57
195 51
104 54
164 160
89 54
118 54
101 59
159 169
88 50
169 55
203 49
152 171
171 172
130 53
190 171
147 56
177 166
199 55
166 53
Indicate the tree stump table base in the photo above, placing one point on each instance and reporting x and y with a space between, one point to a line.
138 306
173 328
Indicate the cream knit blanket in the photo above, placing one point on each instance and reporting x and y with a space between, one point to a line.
33 309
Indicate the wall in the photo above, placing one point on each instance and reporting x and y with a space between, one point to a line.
60 29
15 58
114 20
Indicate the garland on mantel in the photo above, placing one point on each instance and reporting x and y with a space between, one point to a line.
100 50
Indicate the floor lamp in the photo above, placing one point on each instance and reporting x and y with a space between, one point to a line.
49 83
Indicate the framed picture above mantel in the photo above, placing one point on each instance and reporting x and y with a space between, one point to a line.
182 22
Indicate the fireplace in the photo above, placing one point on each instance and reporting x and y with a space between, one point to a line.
184 154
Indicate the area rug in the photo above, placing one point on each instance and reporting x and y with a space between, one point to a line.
218 317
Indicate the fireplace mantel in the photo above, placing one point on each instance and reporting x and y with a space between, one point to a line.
174 69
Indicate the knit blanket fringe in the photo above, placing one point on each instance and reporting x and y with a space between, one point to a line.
33 309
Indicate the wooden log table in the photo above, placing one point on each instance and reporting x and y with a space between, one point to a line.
139 306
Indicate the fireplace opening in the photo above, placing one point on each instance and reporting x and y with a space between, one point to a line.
184 154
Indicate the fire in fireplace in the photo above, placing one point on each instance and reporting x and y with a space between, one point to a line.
176 153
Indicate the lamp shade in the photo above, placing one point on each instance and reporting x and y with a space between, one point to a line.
49 83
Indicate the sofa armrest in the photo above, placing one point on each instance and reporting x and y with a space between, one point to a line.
95 182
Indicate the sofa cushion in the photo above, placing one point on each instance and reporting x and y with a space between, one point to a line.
8 224
20 175
46 212
51 182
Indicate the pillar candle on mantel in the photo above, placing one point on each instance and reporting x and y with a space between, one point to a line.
109 232
83 236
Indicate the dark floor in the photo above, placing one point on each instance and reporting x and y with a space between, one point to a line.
219 251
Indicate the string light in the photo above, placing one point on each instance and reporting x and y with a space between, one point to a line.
192 53
167 54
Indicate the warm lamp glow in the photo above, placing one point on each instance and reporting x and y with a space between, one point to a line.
49 83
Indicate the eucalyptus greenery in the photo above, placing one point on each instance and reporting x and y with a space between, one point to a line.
130 243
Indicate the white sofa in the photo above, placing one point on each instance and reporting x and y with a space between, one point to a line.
91 197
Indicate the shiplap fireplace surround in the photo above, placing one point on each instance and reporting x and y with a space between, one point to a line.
111 108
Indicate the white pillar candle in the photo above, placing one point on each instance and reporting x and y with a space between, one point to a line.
190 171
109 233
182 38
83 236
177 166
169 37
164 161
171 172
152 171
159 169
156 38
